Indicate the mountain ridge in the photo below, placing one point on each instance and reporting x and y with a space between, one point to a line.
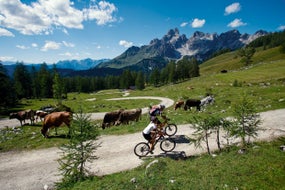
173 46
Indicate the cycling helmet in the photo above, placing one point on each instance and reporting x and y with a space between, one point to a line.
162 106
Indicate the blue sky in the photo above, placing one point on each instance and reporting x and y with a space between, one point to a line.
37 31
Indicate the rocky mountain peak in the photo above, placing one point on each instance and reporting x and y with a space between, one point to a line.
173 46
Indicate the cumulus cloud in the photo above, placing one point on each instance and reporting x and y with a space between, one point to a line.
125 43
4 32
233 8
236 23
50 45
197 23
43 16
101 12
183 24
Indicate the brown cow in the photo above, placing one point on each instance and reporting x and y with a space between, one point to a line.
23 115
178 104
40 114
129 115
54 120
110 118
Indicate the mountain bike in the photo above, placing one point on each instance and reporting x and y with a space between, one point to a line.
170 129
166 144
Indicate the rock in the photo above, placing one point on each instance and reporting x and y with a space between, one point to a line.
45 187
133 180
241 151
282 148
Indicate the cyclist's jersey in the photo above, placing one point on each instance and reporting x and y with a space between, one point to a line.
151 126
155 111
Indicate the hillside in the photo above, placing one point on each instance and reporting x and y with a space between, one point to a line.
230 61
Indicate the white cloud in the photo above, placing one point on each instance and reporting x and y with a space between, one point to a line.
101 12
22 47
7 58
4 32
236 23
34 45
50 45
281 27
183 24
125 43
233 8
43 16
66 44
197 23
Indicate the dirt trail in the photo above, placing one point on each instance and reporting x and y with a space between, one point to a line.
31 170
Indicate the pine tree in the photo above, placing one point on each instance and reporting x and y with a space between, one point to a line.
79 150
248 120
6 89
140 81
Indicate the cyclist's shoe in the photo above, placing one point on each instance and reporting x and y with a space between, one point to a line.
151 152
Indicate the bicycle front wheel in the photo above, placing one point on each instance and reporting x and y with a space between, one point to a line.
170 129
141 149
167 145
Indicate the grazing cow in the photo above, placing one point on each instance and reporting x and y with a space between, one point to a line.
207 100
129 115
110 118
192 103
54 120
23 115
40 114
178 104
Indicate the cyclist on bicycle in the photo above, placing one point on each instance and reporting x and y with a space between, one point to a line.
155 111
149 133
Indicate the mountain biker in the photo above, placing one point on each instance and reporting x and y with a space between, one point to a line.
149 133
155 111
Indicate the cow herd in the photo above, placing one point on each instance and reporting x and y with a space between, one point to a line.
121 116
209 99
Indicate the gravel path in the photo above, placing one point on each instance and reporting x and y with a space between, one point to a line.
32 170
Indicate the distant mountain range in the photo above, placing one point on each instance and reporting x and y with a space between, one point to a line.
174 46
157 53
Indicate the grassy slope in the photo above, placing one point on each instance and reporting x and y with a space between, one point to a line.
261 168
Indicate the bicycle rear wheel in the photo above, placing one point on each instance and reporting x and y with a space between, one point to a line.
167 145
170 129
141 149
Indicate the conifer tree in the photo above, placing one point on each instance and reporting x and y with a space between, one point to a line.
79 150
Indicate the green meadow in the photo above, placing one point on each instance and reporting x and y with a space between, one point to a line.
262 167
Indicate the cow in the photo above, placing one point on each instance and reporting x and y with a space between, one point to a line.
192 103
129 115
110 118
178 104
209 99
54 120
23 115
40 114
